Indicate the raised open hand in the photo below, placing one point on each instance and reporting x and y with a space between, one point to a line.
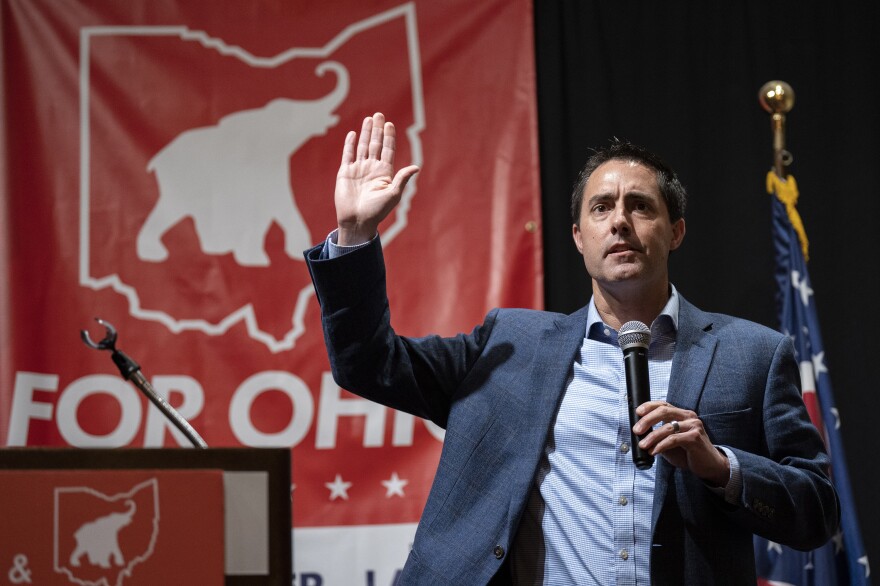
366 187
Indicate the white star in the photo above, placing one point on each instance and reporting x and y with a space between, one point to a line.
338 488
836 417
838 542
772 545
819 364
802 286
864 561
394 486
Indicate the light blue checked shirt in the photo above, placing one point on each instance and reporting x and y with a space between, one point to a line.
588 520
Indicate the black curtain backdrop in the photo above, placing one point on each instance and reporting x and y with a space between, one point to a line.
682 79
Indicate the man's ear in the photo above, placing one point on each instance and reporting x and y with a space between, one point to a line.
576 235
678 230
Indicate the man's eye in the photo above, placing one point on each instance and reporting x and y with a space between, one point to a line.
600 208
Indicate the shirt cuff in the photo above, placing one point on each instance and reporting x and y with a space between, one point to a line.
733 490
334 250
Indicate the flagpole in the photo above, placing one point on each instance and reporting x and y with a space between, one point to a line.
844 559
777 98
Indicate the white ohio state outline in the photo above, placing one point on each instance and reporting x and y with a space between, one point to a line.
244 313
130 564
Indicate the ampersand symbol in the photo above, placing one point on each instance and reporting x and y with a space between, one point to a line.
19 573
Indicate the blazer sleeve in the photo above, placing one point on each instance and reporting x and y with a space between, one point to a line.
787 495
415 375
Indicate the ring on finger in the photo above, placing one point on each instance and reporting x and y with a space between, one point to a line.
675 427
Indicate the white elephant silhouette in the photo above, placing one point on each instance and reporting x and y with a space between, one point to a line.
99 539
233 178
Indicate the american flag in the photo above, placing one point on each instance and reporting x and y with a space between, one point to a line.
842 560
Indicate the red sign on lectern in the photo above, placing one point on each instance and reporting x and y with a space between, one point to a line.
112 528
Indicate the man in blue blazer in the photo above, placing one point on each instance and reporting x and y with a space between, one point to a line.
535 484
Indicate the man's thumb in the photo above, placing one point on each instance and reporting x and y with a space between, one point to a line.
403 176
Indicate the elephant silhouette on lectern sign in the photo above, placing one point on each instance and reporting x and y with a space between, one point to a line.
233 178
99 539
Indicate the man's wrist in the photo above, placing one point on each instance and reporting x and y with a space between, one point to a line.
334 250
723 476
732 490
354 235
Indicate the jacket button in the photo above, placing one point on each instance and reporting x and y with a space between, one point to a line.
498 551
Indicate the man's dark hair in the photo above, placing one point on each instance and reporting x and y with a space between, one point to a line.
671 189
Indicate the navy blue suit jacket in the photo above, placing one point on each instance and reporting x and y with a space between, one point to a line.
496 390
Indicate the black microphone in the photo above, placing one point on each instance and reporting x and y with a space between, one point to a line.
634 338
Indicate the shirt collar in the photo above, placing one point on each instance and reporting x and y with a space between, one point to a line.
667 321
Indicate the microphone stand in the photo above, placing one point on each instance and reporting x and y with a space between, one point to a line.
131 371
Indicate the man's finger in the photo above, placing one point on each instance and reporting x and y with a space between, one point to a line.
649 419
364 138
348 148
389 144
650 406
376 135
402 178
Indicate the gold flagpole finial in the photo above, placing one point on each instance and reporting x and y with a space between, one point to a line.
777 98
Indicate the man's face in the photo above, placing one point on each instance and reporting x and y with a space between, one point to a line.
625 234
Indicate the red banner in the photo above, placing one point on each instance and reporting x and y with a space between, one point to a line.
164 165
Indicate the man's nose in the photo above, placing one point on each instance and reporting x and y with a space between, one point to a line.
620 221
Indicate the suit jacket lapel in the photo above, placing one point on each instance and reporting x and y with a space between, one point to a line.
554 357
557 349
694 349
